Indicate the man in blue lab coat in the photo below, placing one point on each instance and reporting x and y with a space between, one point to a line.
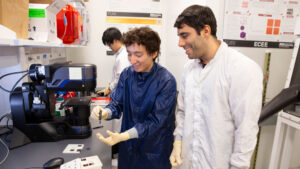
146 93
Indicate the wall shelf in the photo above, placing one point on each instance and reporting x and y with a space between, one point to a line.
31 43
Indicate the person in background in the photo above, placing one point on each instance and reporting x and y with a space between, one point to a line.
112 38
219 101
146 94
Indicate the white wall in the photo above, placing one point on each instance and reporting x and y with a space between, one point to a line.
279 64
176 56
9 62
95 52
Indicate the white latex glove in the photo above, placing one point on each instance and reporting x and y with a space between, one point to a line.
175 157
95 113
104 92
113 138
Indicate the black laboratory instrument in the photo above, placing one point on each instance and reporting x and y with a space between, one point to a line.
288 99
33 104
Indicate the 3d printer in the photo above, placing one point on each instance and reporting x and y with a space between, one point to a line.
33 104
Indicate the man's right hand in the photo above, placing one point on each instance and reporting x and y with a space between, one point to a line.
95 113
175 157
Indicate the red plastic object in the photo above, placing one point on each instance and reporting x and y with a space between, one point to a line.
68 24
69 95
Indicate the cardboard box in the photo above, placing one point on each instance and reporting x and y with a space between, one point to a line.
41 1
14 15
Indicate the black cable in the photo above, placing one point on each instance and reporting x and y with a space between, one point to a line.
7 153
7 127
7 135
4 89
2 117
12 73
12 89
6 132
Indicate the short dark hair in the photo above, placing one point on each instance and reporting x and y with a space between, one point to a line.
197 16
143 36
111 34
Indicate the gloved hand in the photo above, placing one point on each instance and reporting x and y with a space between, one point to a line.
175 157
95 113
104 92
114 138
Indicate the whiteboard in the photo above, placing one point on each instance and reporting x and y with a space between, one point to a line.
260 20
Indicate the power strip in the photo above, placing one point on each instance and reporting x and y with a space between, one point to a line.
92 162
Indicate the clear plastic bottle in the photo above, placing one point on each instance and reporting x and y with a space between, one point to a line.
84 20
68 24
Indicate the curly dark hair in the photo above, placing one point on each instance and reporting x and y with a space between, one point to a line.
197 16
143 36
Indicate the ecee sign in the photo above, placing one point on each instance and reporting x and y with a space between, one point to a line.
261 44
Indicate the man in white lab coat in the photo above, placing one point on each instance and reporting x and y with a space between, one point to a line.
112 38
219 101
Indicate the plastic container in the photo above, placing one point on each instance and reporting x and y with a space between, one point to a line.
69 95
58 102
80 7
69 25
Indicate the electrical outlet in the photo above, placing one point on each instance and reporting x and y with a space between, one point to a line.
92 162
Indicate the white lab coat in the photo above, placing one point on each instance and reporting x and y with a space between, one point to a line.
218 110
120 64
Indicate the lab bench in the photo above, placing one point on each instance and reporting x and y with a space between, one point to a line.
37 153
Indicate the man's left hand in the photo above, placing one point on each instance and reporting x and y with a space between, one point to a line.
113 138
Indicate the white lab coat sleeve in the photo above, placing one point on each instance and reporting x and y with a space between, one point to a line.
115 81
245 99
178 133
120 64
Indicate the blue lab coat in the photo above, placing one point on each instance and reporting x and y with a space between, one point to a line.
148 101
